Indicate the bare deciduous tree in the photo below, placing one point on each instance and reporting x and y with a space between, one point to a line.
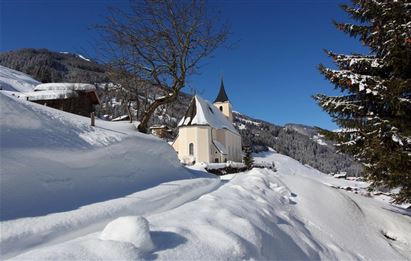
162 42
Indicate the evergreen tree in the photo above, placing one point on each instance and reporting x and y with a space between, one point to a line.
374 110
248 159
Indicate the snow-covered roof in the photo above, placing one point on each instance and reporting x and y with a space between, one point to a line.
221 148
50 95
201 112
65 86
51 91
121 118
159 127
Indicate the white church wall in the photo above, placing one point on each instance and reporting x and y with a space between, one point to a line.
200 137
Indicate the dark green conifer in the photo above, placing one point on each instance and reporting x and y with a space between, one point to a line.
374 110
248 159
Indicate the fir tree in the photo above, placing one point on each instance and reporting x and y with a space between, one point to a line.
248 159
374 110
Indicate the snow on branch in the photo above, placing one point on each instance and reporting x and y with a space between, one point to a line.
355 61
354 81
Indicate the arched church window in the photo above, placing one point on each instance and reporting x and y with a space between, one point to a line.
221 108
191 149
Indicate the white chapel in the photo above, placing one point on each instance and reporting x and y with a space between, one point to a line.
206 132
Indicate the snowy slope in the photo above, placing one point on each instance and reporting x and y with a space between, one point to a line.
12 80
263 215
55 161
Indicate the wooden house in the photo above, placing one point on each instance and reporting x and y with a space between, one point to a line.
77 98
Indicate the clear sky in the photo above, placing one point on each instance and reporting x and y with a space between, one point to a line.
270 74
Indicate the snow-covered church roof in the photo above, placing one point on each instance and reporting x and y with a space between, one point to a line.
201 112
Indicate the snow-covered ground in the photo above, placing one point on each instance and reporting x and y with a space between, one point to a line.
63 163
351 184
70 191
264 215
15 81
53 161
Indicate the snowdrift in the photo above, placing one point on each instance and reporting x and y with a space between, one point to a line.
15 81
54 161
258 215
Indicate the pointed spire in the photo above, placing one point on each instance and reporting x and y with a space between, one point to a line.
222 95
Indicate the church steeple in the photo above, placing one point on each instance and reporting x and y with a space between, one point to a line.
222 95
223 103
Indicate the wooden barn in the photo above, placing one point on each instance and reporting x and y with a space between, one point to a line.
77 98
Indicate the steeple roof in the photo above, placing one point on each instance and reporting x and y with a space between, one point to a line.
222 95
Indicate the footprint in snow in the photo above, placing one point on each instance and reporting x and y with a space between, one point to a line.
287 200
273 185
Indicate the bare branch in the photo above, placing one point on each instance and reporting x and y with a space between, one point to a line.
162 42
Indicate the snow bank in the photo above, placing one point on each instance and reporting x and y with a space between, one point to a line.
12 80
231 164
132 229
54 161
263 215
23 234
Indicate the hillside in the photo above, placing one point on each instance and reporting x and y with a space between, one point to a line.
48 66
302 143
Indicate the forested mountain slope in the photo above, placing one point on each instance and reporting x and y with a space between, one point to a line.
49 66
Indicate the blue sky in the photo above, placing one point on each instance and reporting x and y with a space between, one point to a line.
270 74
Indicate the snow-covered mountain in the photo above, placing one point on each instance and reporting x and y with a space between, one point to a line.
78 55
75 192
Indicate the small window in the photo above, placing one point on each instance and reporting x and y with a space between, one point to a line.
216 160
191 149
221 108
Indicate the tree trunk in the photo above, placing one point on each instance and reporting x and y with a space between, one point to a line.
143 126
129 112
